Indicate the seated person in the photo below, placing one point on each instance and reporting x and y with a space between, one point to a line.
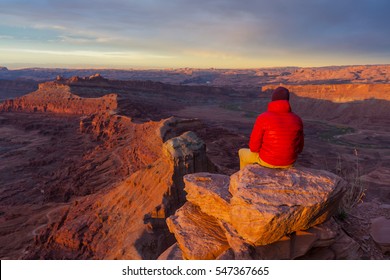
277 136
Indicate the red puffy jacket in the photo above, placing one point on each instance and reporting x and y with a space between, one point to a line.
277 134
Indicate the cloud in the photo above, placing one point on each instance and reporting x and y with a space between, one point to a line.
245 29
6 37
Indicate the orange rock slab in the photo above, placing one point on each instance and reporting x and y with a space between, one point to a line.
269 203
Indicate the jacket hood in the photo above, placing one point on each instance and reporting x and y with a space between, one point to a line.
279 106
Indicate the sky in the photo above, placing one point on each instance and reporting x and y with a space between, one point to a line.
193 33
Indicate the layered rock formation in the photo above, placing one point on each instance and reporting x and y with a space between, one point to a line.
338 93
260 213
127 221
337 74
57 98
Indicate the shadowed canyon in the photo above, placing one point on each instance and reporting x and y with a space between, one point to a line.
97 166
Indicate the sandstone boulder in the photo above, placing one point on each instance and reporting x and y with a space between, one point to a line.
326 241
258 213
268 203
199 235
210 192
298 244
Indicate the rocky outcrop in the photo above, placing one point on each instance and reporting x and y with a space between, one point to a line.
95 79
258 213
127 221
198 234
210 193
57 98
267 204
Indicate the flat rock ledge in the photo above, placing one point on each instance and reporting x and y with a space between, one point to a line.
261 213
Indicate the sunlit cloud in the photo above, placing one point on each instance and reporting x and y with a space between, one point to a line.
48 26
92 54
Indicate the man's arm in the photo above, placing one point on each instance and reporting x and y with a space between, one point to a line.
256 139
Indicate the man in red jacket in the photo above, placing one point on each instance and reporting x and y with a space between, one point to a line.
277 136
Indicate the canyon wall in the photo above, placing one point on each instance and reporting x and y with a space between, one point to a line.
127 221
338 93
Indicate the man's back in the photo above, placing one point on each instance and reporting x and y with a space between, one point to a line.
277 135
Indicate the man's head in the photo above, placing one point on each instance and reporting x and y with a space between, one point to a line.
281 93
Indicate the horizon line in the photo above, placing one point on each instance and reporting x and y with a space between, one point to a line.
139 68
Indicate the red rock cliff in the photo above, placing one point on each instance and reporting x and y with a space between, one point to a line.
127 221
57 98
